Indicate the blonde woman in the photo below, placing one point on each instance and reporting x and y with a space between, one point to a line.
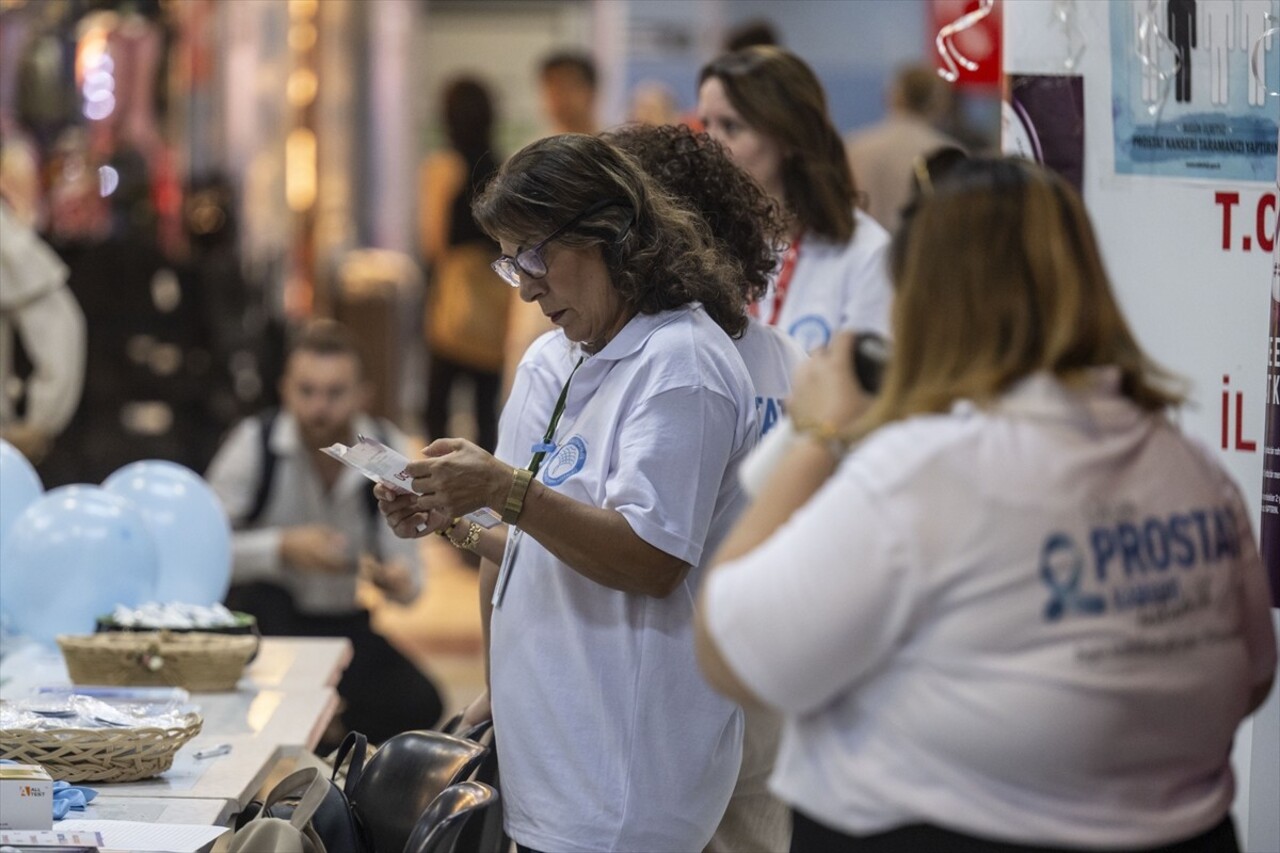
1023 612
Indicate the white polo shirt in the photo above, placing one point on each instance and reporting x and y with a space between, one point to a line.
1038 623
610 739
836 286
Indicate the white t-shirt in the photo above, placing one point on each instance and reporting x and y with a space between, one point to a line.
836 286
771 358
1036 623
610 739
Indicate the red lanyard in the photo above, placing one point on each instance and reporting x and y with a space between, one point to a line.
783 284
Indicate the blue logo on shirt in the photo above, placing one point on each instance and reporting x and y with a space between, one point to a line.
1061 567
811 332
1135 563
769 410
565 462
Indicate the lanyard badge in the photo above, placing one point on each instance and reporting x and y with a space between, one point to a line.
540 451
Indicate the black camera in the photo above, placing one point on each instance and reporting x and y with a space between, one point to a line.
870 356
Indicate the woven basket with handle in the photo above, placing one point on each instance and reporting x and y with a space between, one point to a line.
100 755
199 662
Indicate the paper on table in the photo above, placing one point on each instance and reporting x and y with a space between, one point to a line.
382 464
142 836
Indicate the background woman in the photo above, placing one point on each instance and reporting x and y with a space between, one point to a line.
768 109
609 737
1025 613
467 304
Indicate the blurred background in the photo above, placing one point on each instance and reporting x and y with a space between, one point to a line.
214 173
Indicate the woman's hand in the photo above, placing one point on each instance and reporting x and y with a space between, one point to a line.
457 477
825 391
404 517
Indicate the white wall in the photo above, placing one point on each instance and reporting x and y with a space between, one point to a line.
1197 308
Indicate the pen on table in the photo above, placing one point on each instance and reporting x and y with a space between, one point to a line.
213 751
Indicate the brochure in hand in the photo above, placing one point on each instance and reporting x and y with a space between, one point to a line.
384 465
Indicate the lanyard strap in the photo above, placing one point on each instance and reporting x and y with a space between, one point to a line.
780 288
540 450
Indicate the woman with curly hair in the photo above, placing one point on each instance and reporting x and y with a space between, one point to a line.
609 739
768 109
746 224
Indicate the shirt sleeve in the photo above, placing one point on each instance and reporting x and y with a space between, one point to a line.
818 606
669 465
233 475
53 335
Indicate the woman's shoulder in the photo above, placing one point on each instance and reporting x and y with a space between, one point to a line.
870 241
691 349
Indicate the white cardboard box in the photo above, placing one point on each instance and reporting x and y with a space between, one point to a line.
26 797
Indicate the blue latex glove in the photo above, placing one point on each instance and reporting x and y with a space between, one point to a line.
67 797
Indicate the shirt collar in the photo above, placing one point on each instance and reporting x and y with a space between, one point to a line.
631 339
1043 395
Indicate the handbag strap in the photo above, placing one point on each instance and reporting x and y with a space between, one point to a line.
356 745
315 785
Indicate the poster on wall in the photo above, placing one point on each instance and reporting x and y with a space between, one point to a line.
1042 119
1184 101
1271 444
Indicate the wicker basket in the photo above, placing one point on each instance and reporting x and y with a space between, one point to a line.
99 755
199 662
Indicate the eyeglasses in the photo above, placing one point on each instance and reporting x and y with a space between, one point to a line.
531 262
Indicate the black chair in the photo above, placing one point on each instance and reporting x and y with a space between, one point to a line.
403 778
438 827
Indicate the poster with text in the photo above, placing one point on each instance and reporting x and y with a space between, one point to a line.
1184 101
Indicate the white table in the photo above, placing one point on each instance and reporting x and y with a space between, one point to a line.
157 810
280 709
286 662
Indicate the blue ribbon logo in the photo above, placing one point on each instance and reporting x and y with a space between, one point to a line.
1061 568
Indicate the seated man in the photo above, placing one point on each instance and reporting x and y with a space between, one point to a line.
307 527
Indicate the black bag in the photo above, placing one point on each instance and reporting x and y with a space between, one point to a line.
334 822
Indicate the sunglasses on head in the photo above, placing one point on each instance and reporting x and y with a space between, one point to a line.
530 261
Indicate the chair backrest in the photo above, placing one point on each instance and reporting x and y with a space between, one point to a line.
402 779
439 825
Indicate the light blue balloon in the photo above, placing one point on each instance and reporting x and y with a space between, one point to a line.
71 557
20 486
189 526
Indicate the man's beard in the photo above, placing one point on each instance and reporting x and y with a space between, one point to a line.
325 435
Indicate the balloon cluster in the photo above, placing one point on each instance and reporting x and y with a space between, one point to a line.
153 531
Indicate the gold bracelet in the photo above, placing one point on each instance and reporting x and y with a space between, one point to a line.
828 434
520 479
467 542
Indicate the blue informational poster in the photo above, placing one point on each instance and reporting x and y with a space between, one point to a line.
1184 100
